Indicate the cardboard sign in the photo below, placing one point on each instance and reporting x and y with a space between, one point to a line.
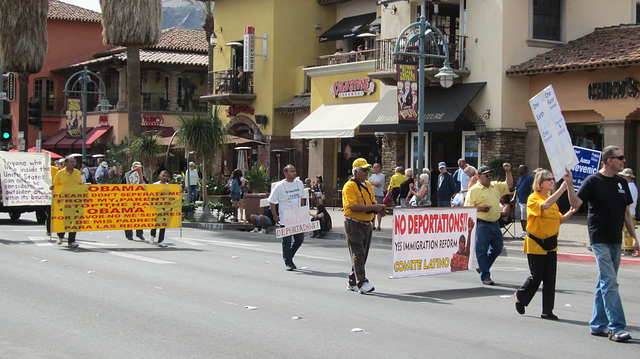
297 221
26 178
553 131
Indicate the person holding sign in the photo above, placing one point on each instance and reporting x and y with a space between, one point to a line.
609 197
486 196
135 176
69 176
290 195
360 207
541 241
163 178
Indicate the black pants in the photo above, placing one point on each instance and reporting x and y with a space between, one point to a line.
129 233
543 269
161 236
71 238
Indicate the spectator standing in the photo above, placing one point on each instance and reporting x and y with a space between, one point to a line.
486 196
288 194
237 182
406 188
446 186
472 173
192 179
423 196
627 243
102 173
69 176
395 182
360 207
377 182
318 190
541 243
461 179
523 190
609 197
86 173
163 178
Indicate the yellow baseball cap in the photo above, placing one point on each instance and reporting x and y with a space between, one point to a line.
361 162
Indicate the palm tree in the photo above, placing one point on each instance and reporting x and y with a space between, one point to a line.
132 23
146 149
207 6
204 134
23 45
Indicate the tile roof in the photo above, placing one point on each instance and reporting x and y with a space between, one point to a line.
151 56
295 104
59 10
613 46
175 39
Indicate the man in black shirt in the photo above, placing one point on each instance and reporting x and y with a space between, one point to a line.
608 197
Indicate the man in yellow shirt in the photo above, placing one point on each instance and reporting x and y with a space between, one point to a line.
69 176
395 182
486 196
360 208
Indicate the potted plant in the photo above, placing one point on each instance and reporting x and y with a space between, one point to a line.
259 185
217 191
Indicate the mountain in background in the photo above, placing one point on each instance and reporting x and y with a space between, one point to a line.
181 13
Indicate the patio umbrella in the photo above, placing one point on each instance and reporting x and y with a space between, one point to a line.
33 150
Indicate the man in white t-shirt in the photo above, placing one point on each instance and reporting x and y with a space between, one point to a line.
377 182
461 178
289 194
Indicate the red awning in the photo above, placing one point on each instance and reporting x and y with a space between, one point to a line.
71 142
53 140
94 135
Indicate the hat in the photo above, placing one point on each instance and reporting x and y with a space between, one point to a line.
104 164
627 172
484 169
442 165
135 165
361 162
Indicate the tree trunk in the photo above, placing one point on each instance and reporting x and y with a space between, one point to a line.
23 106
133 91
204 185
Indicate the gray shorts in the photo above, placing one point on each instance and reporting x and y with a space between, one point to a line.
521 208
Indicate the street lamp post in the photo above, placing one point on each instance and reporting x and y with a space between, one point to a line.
421 32
85 77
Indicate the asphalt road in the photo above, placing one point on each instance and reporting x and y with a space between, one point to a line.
226 294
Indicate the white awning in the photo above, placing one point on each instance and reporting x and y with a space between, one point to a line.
333 121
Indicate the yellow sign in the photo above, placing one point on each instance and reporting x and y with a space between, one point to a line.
82 208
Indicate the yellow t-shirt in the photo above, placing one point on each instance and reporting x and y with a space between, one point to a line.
54 172
354 194
541 223
396 180
480 195
63 178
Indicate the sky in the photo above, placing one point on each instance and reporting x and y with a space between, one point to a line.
87 4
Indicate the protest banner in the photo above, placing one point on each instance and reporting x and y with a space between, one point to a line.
553 131
588 163
430 241
26 178
134 176
79 208
296 221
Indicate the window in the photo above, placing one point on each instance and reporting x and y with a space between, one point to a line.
44 89
637 12
547 20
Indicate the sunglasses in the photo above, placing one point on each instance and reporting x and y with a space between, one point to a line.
549 179
621 158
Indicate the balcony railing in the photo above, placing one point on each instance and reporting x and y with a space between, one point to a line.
160 102
343 58
385 61
58 105
232 82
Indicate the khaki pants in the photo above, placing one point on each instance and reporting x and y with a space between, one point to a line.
358 241
627 241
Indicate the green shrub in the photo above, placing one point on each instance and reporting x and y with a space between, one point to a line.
222 211
258 178
215 185
189 211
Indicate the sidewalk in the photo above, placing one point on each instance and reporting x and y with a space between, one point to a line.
572 242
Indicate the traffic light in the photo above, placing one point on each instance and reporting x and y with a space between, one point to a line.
6 128
35 113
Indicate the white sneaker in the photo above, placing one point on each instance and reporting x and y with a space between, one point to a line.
522 235
59 241
255 230
366 288
353 288
162 244
152 239
73 245
263 231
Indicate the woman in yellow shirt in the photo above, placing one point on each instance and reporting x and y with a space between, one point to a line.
541 244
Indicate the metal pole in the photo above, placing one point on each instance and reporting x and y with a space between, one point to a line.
421 91
85 77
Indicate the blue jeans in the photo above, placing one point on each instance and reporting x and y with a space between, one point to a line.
289 247
193 193
488 246
444 203
607 306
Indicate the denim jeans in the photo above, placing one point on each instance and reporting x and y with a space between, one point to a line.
193 193
488 246
290 245
444 203
607 306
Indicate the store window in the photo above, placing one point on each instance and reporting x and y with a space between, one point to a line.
471 148
546 23
587 135
44 88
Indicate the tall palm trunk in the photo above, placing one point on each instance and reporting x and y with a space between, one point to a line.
23 105
133 91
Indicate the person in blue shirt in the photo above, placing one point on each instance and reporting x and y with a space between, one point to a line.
446 186
523 190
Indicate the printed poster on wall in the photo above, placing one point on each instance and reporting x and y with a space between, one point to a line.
74 117
430 241
79 208
26 178
554 132
407 92
588 164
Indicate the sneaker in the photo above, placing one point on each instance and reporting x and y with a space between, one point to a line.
152 239
620 336
263 231
522 235
255 230
130 238
353 288
73 245
48 234
141 237
488 281
288 267
59 241
162 244
366 288
600 334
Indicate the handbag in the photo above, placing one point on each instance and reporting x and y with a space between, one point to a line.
387 199
547 244
458 200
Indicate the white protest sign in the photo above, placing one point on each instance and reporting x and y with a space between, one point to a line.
297 220
553 131
433 240
26 178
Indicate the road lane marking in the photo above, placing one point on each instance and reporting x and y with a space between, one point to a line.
124 255
41 241
189 241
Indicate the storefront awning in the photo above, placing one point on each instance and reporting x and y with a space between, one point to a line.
70 142
333 121
348 27
93 135
54 139
443 109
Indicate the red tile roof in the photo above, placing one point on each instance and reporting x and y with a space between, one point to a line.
613 46
59 10
180 39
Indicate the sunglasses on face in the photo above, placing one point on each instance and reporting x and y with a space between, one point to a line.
549 179
621 158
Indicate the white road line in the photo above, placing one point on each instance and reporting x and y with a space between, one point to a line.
41 241
125 255
189 241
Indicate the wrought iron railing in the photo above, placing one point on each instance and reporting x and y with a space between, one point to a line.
232 81
385 61
342 58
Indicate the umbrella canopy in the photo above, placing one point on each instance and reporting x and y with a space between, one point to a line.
33 150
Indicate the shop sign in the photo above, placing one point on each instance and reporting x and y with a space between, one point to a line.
347 152
152 120
353 88
249 49
238 109
407 92
614 89
103 120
